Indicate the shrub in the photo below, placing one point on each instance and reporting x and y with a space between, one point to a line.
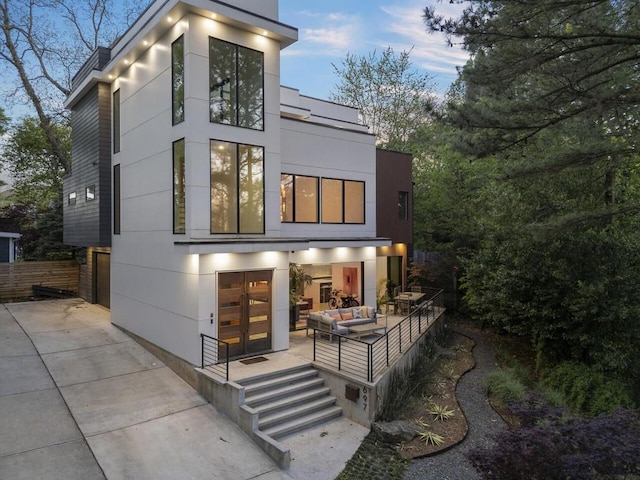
551 445
587 390
505 386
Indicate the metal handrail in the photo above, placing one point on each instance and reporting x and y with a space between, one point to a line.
215 355
369 360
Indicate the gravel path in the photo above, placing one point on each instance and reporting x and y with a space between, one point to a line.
482 419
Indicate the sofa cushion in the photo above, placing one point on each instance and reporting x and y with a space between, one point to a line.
347 316
357 312
332 312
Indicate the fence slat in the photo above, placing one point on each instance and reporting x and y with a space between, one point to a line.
16 279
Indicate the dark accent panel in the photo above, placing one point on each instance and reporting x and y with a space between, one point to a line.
4 249
88 222
97 61
393 175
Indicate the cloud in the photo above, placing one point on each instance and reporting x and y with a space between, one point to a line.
429 51
327 34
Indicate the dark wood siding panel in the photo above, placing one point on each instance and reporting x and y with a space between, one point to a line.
393 175
85 223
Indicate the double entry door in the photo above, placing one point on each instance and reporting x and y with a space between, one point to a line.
244 311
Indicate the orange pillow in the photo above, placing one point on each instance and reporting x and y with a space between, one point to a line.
347 316
336 316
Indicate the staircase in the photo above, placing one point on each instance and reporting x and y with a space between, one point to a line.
289 401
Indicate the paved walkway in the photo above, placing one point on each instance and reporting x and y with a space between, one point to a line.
483 422
79 399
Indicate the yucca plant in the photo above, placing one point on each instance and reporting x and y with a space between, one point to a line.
441 412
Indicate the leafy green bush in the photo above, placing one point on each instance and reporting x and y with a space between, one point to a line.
587 390
505 385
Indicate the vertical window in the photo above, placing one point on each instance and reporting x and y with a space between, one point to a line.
353 202
403 205
236 85
178 187
72 198
177 80
299 198
116 199
90 193
332 201
237 188
116 121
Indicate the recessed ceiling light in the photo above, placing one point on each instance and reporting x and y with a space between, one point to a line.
214 15
265 33
110 77
169 19
145 42
126 62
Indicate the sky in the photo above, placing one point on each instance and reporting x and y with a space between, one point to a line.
329 29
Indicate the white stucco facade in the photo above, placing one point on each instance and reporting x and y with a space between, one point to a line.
165 286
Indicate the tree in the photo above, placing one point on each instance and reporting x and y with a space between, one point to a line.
549 102
561 76
393 99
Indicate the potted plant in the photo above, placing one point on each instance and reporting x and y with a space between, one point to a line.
298 281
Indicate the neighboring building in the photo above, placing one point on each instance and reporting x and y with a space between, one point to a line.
394 214
197 179
8 247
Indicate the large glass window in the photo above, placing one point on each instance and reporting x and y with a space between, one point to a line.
177 80
178 187
236 85
116 199
299 198
116 121
237 188
342 201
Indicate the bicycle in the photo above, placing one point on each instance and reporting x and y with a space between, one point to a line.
339 299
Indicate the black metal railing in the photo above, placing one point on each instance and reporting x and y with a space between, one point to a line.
215 356
368 360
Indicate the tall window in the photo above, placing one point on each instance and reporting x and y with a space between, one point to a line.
116 199
116 121
177 80
403 205
299 198
178 187
236 85
237 188
342 201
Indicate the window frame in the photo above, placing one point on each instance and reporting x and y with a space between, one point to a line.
116 200
294 200
90 193
116 120
403 205
179 195
237 171
72 198
235 74
177 117
343 209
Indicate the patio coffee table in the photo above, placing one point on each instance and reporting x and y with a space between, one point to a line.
358 331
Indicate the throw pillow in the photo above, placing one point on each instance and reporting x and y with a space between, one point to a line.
347 316
357 312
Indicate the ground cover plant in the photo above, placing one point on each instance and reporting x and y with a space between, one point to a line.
550 444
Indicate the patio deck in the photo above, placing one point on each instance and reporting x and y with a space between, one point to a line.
300 353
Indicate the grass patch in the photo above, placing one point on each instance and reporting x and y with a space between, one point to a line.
505 385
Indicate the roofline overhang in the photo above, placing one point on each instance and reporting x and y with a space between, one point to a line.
153 24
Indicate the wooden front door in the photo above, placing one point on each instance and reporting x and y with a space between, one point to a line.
244 311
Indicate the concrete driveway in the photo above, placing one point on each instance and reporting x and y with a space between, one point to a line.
79 399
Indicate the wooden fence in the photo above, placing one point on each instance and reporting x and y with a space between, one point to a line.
17 279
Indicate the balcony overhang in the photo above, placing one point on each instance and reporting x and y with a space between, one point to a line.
255 245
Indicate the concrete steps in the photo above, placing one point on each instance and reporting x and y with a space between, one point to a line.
290 401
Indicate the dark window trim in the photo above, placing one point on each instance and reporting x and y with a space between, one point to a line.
236 124
179 229
180 119
295 176
72 198
116 121
403 206
237 179
344 206
116 199
92 189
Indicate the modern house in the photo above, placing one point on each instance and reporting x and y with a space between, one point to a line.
197 179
